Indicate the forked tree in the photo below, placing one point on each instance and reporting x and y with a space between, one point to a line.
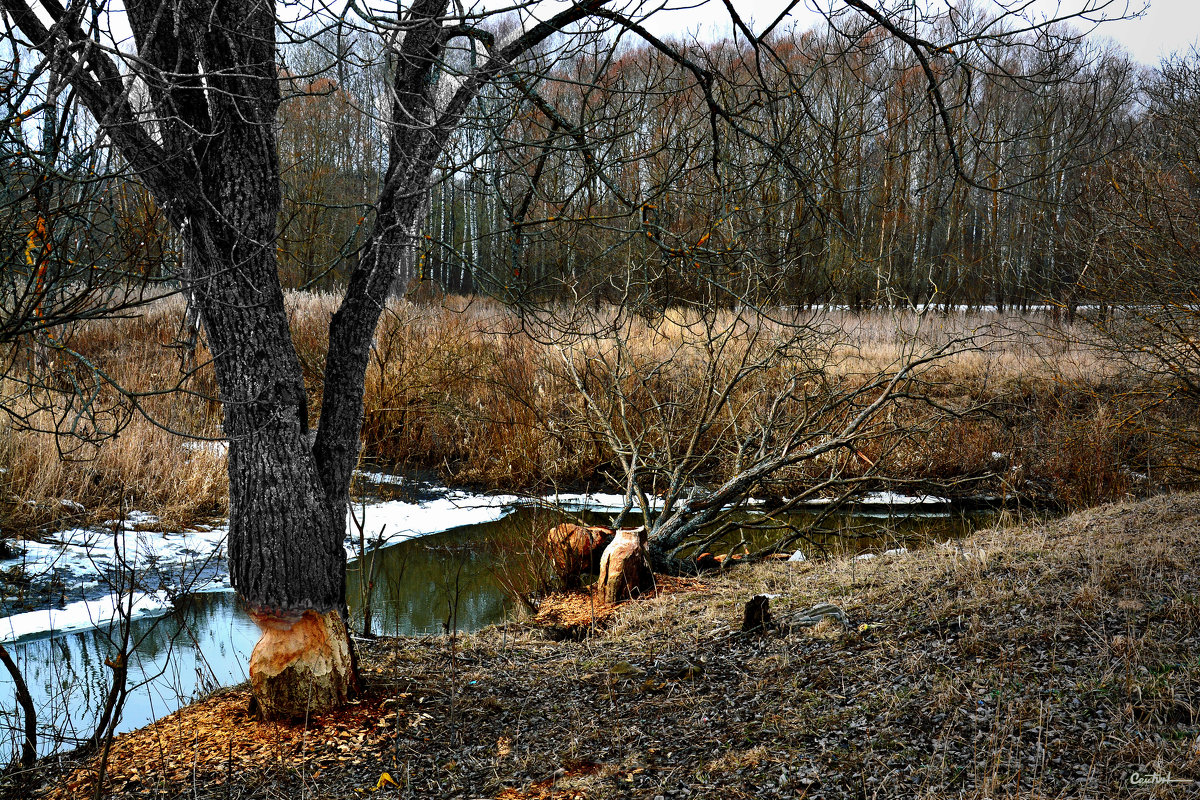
191 105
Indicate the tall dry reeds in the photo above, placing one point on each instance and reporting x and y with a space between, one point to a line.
463 389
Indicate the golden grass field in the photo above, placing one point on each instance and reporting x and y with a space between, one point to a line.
470 391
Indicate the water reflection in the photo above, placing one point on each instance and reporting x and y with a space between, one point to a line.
453 580
201 645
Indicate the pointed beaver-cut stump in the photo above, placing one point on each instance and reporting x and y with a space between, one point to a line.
301 665
576 550
625 567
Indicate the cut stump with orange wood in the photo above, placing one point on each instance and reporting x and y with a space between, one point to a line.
576 550
625 567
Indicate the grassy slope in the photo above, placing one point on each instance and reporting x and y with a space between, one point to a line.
1043 660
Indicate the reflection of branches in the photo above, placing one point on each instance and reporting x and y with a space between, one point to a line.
129 575
29 744
520 561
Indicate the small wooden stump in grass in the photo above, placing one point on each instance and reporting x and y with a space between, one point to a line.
758 613
625 568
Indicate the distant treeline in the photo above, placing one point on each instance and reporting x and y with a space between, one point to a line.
831 167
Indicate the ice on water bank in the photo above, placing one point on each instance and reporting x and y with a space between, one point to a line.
86 563
396 520
380 478
86 556
610 503
613 503
81 615
894 499
882 499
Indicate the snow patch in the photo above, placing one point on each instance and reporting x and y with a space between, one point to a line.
894 499
396 520
216 446
380 478
81 615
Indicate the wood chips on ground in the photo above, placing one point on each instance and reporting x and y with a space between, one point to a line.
583 611
1049 660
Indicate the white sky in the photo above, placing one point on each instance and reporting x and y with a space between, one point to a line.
1167 26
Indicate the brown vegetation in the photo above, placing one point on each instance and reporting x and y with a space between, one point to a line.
1045 660
460 389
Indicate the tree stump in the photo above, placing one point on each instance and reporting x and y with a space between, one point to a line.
301 665
625 568
758 613
576 550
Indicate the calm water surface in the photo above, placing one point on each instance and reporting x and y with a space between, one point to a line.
422 586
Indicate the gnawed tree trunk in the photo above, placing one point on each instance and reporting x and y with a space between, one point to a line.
302 664
576 550
203 143
625 567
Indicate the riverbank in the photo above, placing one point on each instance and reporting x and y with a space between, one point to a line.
1053 659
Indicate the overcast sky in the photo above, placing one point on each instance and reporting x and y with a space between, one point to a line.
1167 26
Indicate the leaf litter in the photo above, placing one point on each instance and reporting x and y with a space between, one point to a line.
1052 659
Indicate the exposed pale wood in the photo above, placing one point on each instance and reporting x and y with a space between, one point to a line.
625 567
301 665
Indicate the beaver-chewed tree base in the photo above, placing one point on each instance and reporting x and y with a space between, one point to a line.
625 567
302 664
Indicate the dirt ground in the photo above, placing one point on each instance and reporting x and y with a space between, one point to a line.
1057 659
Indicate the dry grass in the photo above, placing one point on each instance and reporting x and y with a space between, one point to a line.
147 465
462 389
1047 660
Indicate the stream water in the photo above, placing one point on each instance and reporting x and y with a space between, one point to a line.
426 585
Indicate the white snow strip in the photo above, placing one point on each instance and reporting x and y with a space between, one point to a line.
131 519
396 520
380 478
216 447
596 502
894 499
79 615
612 503
78 554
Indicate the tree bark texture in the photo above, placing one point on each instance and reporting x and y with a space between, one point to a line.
201 137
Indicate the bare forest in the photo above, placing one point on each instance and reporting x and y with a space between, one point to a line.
670 299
